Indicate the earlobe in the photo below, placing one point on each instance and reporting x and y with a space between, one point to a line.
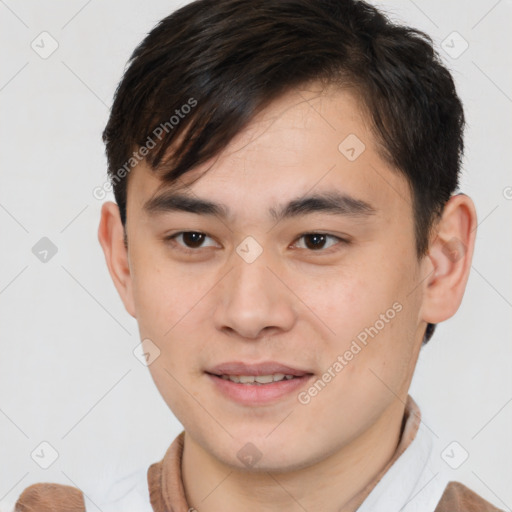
450 255
111 238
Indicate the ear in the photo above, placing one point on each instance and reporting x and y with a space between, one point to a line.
449 260
111 238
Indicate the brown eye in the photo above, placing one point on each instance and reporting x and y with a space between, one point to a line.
191 241
317 241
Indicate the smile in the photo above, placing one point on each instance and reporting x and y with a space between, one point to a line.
257 379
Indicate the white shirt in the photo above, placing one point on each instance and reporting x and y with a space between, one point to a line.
411 484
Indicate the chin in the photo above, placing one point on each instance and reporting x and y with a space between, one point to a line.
259 452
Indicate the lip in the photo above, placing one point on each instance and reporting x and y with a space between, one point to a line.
254 394
255 369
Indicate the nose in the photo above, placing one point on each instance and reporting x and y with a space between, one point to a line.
253 301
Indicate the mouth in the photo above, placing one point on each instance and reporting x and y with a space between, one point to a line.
258 380
264 369
253 384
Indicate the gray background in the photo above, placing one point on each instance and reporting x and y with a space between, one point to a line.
68 375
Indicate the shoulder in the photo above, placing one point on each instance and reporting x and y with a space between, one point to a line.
108 492
49 497
459 498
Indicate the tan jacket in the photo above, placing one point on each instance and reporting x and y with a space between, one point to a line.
45 497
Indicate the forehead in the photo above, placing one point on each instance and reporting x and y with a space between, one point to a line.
309 140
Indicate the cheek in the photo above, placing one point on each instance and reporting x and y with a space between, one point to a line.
348 299
170 384
163 293
371 312
171 312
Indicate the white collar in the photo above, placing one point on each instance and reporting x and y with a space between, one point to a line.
411 484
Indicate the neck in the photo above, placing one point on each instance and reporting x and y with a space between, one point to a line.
338 483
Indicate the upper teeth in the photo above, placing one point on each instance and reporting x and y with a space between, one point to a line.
258 379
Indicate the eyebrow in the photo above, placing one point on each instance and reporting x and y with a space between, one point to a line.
330 202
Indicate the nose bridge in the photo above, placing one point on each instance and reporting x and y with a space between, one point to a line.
251 281
252 298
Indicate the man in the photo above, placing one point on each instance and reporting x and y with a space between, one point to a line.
287 234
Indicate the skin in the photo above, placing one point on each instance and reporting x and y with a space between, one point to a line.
300 306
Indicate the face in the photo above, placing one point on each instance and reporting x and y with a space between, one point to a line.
273 283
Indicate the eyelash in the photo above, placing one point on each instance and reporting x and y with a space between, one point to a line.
186 250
